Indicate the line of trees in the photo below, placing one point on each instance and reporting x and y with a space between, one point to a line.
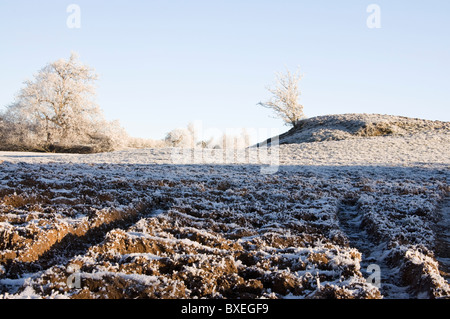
190 137
284 101
56 111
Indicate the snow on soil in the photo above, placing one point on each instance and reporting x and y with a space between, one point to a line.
442 250
134 224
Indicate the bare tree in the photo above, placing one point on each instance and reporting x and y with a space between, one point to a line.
285 95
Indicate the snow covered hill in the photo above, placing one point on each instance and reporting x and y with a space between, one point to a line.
351 126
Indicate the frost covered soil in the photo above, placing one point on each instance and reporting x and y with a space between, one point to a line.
132 224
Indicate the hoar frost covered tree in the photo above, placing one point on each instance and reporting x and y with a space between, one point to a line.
58 107
182 137
191 137
285 96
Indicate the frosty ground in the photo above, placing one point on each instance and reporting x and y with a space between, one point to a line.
136 224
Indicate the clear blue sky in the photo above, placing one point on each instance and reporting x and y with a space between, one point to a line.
165 63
